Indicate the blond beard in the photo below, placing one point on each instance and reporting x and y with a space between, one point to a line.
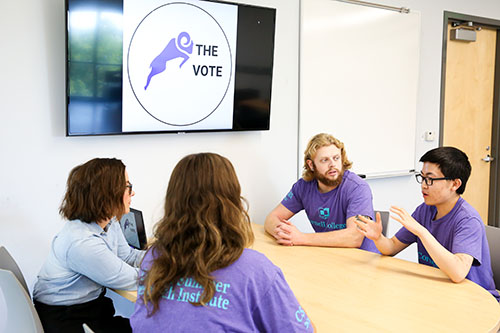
329 182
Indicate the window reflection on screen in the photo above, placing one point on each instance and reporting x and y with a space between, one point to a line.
95 67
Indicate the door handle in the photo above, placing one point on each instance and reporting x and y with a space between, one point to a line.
488 158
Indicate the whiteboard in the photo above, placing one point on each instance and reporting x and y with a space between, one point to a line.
358 82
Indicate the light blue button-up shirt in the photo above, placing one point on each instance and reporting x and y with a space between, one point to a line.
83 259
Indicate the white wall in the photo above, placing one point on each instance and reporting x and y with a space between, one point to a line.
404 191
36 156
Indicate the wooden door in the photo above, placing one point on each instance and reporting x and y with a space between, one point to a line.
468 109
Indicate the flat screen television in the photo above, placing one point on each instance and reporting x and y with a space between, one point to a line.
151 66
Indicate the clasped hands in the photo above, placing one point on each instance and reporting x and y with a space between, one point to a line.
286 233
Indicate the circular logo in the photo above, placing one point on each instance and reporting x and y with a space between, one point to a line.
179 64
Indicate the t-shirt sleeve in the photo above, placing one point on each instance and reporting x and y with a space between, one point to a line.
360 201
293 200
468 238
280 311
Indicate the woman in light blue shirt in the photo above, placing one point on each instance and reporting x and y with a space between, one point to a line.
90 253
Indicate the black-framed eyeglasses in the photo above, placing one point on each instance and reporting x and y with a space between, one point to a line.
428 180
129 185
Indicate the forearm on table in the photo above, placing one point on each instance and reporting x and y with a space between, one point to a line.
456 266
386 246
270 224
276 217
339 238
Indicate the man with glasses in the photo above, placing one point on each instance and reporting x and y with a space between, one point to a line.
449 232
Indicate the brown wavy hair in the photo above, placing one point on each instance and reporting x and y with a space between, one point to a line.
205 227
319 141
94 191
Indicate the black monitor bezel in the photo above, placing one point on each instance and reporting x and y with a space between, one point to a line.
140 229
236 128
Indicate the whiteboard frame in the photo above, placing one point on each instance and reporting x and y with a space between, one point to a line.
339 44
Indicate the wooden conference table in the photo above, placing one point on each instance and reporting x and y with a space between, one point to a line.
351 290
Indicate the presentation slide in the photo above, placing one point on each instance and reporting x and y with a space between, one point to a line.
178 65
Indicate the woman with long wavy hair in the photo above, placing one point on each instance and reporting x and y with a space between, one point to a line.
199 274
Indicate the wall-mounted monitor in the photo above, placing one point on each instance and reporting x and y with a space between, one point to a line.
151 66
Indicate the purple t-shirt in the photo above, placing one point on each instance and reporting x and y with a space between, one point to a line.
329 211
459 231
251 296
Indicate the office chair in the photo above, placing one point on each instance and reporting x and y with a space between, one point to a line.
7 262
384 215
20 312
493 236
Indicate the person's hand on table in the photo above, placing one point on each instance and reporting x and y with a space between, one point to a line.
286 233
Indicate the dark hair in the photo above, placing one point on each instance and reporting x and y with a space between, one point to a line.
452 162
205 227
95 191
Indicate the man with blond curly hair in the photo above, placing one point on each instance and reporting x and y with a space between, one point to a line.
331 196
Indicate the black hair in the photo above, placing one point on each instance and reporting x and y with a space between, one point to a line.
452 162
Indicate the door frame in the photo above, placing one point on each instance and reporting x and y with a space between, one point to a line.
494 195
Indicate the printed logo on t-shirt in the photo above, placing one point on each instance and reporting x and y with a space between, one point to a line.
301 317
188 290
331 226
324 213
426 259
288 196
186 293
